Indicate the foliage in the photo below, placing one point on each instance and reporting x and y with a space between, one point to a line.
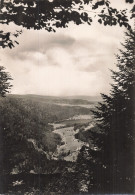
52 107
27 143
26 138
5 79
50 15
24 131
115 119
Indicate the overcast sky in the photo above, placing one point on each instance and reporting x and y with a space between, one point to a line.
72 61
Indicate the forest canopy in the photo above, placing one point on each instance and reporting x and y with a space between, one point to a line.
53 14
27 140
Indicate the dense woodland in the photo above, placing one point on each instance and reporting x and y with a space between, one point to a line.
24 119
113 134
107 165
27 141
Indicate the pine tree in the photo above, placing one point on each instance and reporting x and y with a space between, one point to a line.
115 118
5 79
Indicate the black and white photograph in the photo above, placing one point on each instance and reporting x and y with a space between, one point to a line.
67 97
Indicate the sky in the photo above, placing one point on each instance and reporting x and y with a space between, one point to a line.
72 61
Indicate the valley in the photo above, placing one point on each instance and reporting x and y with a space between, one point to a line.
70 145
48 144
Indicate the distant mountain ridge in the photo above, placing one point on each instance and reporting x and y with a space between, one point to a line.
64 99
88 98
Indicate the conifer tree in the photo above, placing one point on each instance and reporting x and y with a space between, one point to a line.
5 79
115 118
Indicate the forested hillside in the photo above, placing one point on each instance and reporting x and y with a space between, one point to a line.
28 140
67 144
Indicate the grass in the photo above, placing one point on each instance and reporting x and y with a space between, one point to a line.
70 123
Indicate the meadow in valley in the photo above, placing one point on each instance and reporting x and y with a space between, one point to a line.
40 142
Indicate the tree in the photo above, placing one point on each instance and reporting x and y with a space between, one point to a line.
5 86
115 118
53 14
21 122
5 79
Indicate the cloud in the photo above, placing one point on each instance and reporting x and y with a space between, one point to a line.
39 42
73 61
45 41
